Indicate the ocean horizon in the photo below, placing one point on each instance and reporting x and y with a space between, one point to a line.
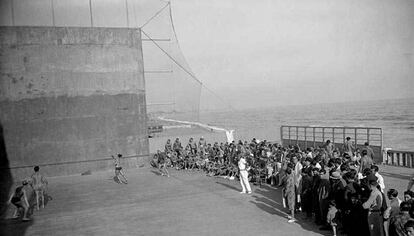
395 117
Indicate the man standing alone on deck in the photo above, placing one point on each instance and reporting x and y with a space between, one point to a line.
244 181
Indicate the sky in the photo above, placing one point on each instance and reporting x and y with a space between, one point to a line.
265 52
277 52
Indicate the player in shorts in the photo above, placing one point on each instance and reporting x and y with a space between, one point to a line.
20 199
118 170
39 184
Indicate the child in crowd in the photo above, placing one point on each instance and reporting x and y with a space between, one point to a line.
331 216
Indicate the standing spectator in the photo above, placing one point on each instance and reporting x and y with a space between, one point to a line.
397 222
348 147
324 190
306 191
298 178
374 204
289 193
366 161
392 210
369 150
329 148
381 183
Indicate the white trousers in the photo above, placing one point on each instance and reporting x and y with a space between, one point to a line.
244 181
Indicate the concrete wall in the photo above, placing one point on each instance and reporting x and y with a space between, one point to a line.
71 97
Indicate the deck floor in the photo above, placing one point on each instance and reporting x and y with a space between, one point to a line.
187 203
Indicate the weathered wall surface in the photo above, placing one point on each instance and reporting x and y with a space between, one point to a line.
71 97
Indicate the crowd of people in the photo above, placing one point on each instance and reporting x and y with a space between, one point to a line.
31 193
339 188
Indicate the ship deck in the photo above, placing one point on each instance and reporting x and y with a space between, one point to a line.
187 203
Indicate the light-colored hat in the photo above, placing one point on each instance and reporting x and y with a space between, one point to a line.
335 175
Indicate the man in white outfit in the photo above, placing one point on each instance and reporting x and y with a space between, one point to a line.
244 181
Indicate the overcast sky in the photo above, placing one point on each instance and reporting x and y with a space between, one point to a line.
267 52
299 52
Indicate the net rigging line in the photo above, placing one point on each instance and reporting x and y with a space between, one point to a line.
175 61
188 72
155 15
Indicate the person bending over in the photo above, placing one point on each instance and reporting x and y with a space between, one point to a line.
20 200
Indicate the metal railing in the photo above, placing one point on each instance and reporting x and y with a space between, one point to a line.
316 136
399 158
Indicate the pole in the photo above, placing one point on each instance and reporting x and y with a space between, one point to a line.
127 16
90 12
12 11
53 13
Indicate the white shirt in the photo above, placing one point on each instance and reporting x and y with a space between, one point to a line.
298 173
380 181
242 164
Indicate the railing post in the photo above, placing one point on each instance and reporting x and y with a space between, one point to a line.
306 142
289 135
356 138
281 135
343 132
333 136
297 135
314 137
323 134
368 135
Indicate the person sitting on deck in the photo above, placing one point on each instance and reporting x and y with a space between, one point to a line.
162 164
39 184
20 199
177 147
168 147
192 146
119 171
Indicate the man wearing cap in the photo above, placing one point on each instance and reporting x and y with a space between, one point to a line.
374 204
244 181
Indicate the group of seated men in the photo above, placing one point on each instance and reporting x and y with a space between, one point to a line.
219 159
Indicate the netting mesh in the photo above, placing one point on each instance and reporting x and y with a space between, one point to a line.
171 86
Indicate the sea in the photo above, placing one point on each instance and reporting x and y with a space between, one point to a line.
395 117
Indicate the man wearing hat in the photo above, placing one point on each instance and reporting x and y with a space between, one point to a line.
374 204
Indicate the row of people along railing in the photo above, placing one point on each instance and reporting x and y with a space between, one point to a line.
316 136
